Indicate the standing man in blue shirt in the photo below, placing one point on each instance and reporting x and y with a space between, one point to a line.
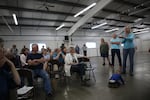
115 49
128 49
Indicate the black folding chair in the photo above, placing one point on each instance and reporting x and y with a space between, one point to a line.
88 68
26 84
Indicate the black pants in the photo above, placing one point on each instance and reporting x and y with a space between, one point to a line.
79 68
85 53
113 52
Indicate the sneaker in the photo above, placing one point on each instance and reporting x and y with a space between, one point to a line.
50 94
123 73
110 64
103 64
131 74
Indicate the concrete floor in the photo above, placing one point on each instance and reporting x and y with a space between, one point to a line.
136 87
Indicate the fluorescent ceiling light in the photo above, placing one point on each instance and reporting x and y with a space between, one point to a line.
62 25
144 29
137 20
98 25
15 19
140 26
87 8
141 32
115 29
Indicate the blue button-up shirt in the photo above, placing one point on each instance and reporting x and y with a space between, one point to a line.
128 41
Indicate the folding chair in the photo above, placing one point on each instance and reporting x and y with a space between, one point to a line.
27 90
55 69
89 68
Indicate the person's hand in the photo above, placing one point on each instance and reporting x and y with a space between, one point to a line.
2 60
73 63
121 36
35 60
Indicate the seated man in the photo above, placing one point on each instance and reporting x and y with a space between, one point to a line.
7 80
116 80
72 64
35 62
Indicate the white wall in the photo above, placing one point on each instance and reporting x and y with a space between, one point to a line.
54 39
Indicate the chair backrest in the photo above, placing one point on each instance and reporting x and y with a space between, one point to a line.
54 62
18 62
26 73
83 59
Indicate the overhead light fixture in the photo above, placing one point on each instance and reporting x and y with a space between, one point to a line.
62 25
137 20
87 8
137 30
115 29
141 32
15 19
97 26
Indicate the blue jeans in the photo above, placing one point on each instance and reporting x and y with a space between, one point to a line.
44 75
129 52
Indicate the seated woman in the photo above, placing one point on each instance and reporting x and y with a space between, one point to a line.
46 58
72 64
23 57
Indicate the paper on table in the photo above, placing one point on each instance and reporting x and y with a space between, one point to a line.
24 90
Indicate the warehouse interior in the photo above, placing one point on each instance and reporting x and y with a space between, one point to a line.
55 22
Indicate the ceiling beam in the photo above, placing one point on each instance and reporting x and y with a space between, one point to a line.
117 12
63 21
40 19
55 12
101 4
66 3
52 20
11 8
129 3
28 25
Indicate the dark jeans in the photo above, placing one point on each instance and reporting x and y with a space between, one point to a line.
85 53
79 68
113 52
129 52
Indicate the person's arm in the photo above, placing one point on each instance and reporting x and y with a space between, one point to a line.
56 57
100 48
30 61
121 79
131 37
107 46
14 72
41 60
115 43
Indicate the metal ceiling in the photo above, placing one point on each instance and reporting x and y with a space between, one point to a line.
54 12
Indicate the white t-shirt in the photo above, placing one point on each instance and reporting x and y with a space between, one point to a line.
23 59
